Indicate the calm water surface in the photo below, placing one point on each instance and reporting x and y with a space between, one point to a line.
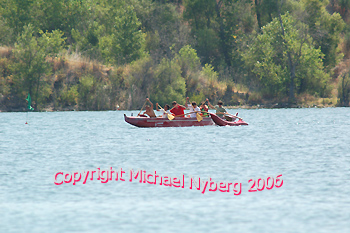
309 147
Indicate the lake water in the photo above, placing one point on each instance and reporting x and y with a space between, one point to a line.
309 147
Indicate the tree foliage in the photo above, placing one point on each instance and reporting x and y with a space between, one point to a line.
168 85
267 57
30 67
126 43
92 54
325 30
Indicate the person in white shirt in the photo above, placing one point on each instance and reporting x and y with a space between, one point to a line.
193 108
164 113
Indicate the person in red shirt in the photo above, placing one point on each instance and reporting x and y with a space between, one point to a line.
177 110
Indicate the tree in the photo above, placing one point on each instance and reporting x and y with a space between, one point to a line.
271 52
210 85
325 29
188 60
6 33
126 43
166 32
216 24
291 63
344 91
17 14
265 10
190 65
342 7
236 20
168 85
201 15
30 67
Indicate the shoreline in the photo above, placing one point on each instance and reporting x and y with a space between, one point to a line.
258 106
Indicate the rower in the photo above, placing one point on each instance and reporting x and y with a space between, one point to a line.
177 109
220 111
165 111
149 110
194 109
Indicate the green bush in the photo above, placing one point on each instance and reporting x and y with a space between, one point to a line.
69 96
168 85
86 92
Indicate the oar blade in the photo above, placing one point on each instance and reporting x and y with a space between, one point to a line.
199 117
170 117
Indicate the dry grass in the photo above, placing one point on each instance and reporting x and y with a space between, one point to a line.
76 64
5 52
307 101
240 88
71 62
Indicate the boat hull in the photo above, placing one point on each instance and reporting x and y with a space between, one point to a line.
221 122
165 122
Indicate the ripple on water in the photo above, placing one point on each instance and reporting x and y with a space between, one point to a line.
310 147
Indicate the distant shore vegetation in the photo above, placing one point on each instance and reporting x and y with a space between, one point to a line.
108 55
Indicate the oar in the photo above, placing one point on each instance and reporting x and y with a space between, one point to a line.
183 114
225 113
142 107
170 117
199 117
186 114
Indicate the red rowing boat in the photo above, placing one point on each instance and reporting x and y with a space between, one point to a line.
222 122
165 122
